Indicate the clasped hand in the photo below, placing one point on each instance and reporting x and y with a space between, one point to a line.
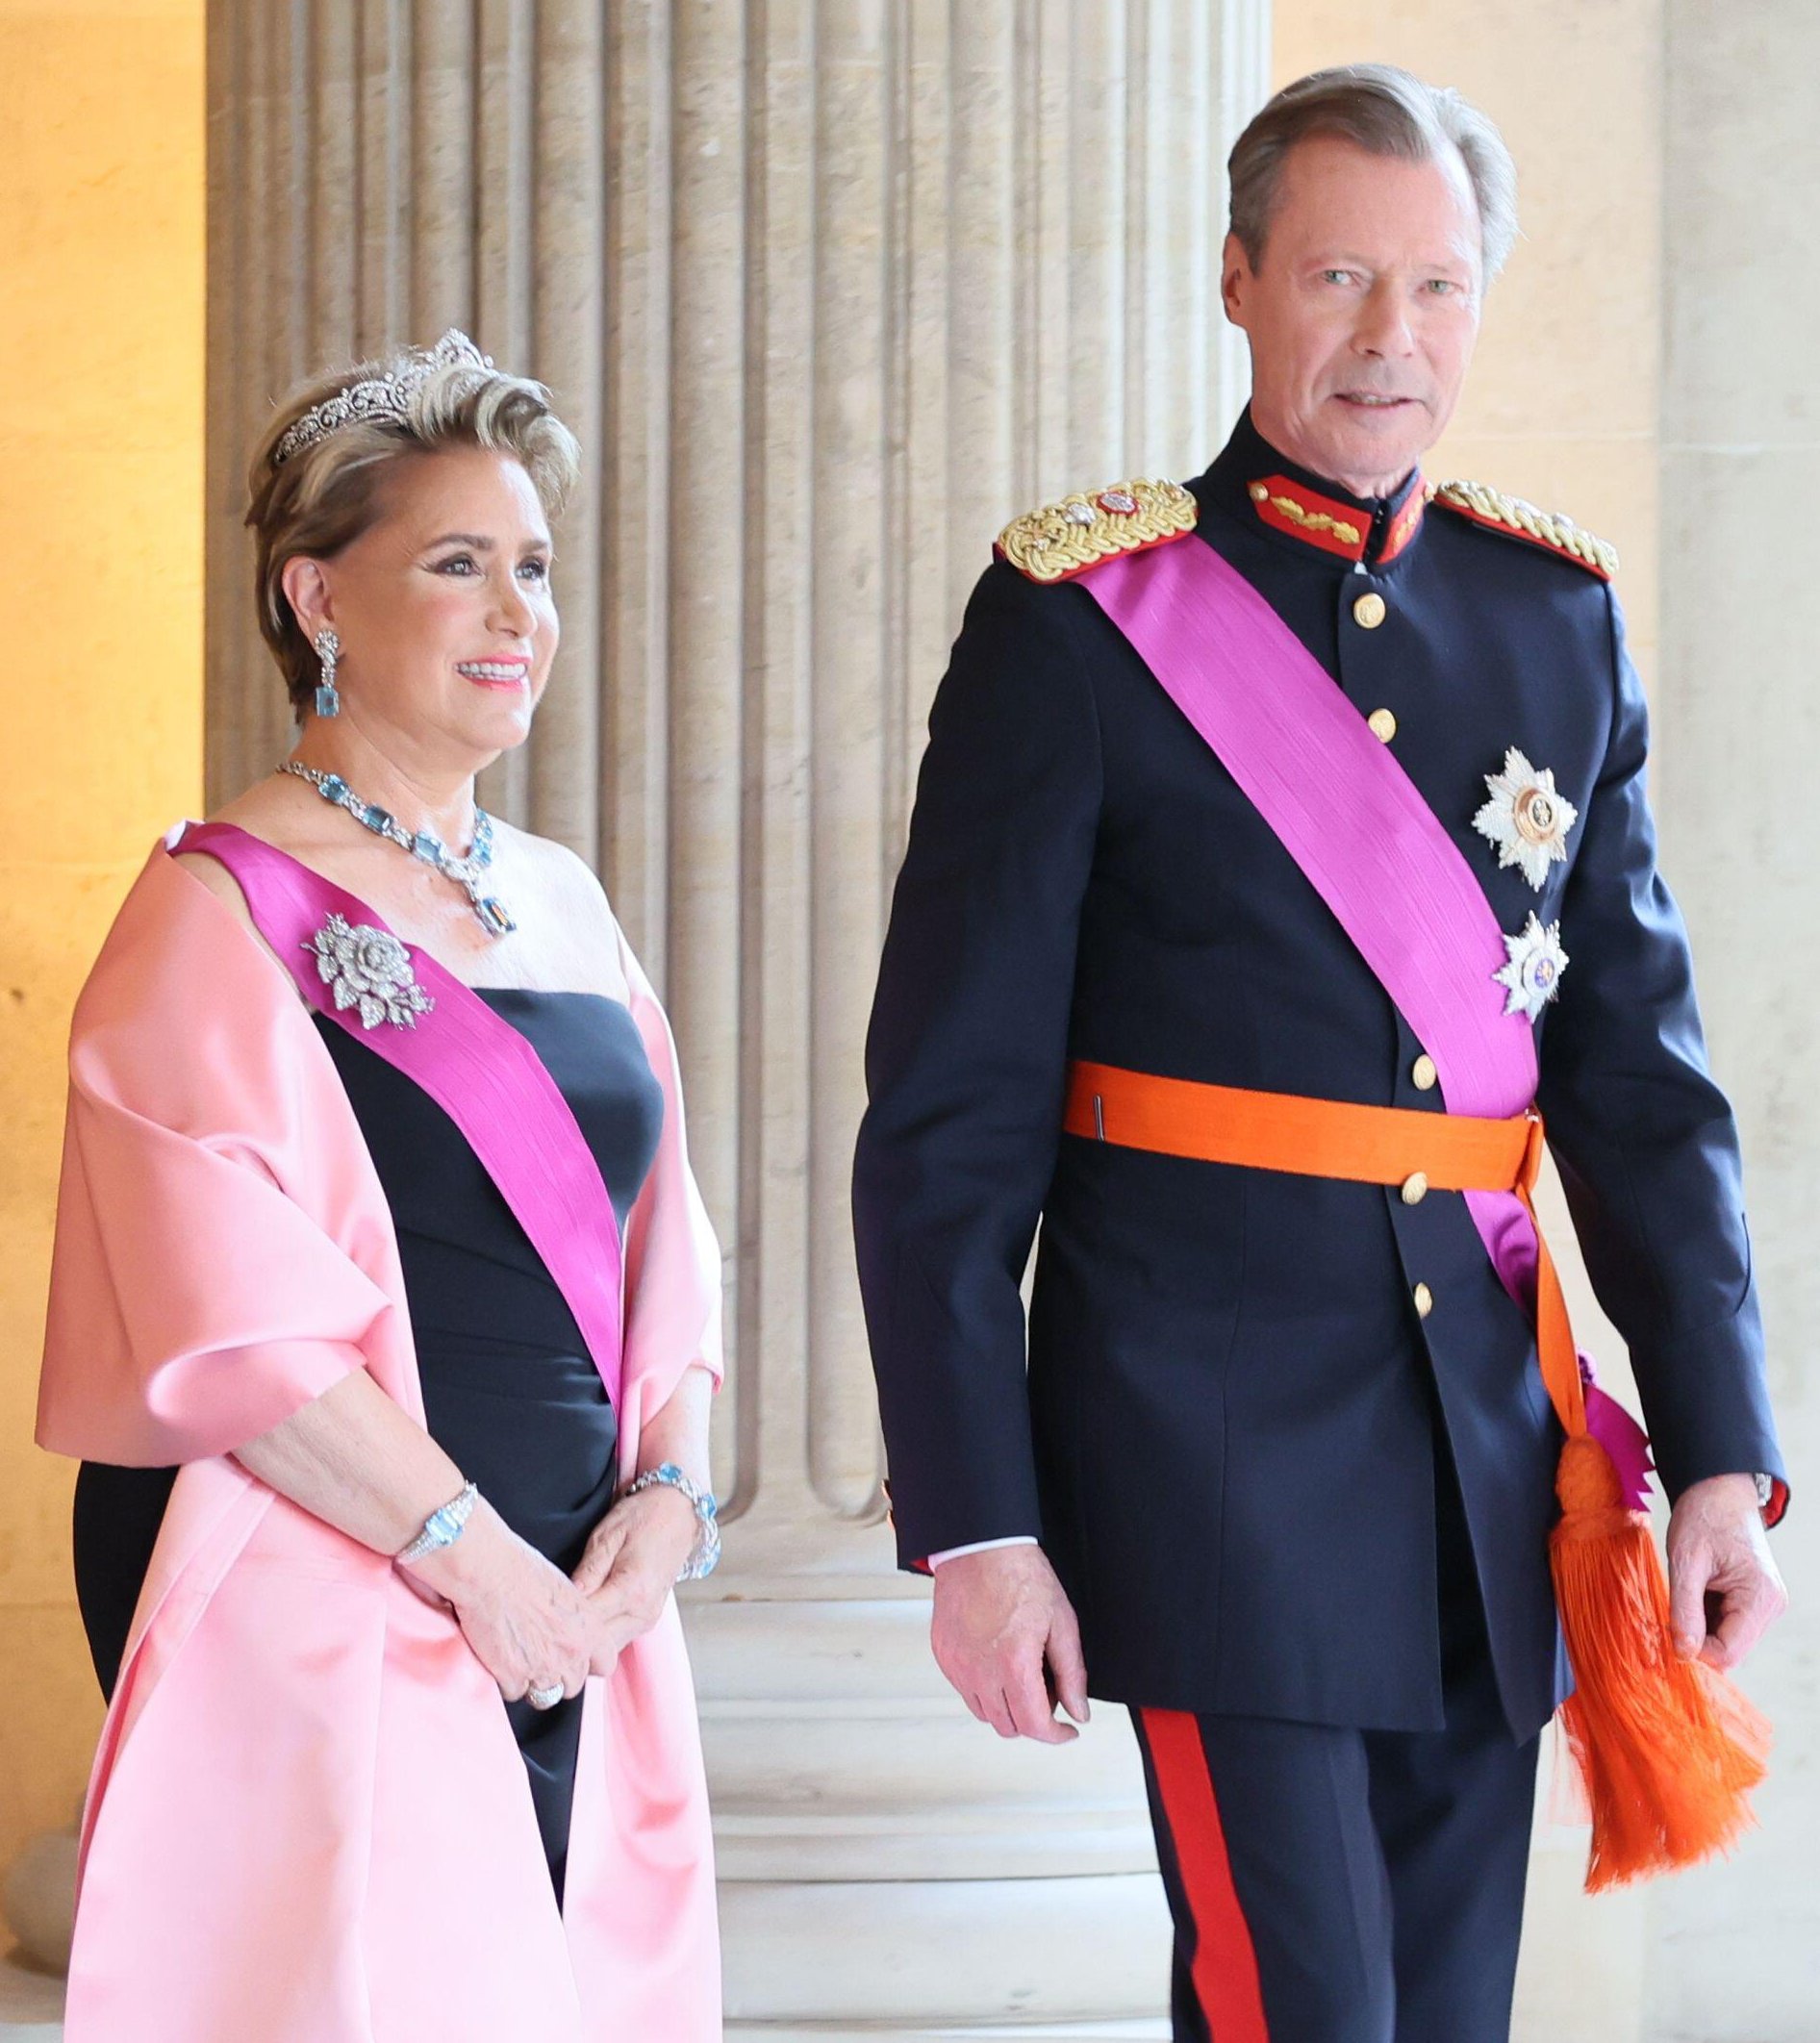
631 1564
530 1624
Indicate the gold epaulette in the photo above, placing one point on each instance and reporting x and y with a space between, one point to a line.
1500 513
1075 533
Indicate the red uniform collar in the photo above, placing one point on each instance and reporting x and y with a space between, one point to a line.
1336 524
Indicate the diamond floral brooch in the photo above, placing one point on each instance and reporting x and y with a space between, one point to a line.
1533 977
369 968
1526 818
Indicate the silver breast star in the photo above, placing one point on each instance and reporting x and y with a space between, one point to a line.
1525 818
1532 976
369 968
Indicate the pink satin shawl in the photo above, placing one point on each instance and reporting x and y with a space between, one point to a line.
307 1819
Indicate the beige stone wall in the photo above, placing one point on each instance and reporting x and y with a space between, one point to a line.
1734 1951
100 691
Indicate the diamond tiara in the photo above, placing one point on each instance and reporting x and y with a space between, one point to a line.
385 399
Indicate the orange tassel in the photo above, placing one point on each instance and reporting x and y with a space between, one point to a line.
1668 1749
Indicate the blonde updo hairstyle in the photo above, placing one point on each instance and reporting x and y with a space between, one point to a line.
322 495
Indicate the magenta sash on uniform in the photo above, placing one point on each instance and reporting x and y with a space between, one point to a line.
477 1068
1377 855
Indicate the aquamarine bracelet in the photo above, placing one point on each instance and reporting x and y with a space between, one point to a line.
705 1556
442 1529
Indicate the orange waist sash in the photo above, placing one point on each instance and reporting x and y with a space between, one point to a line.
1313 1138
1395 1147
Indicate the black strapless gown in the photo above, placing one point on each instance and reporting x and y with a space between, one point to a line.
508 1387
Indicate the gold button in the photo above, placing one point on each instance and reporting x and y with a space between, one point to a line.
1368 613
1260 492
1425 1075
1383 724
1415 1188
1425 1300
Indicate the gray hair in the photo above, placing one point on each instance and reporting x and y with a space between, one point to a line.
323 496
1385 112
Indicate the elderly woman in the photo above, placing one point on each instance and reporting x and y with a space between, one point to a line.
385 1316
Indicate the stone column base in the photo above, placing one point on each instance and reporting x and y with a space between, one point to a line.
31 2004
1157 2031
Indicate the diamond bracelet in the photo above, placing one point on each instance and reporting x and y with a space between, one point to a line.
442 1529
705 1556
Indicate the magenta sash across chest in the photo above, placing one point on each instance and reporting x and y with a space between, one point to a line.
1370 846
477 1066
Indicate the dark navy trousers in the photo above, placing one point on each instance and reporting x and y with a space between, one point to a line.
1333 1885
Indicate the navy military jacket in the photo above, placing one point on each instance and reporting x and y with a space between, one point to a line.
1234 1420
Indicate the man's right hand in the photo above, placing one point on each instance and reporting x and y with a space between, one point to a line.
1006 1638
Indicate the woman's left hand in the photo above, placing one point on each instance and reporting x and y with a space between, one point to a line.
631 1566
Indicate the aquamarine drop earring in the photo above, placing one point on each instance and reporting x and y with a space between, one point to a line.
328 650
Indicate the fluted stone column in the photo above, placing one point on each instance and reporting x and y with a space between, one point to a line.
829 289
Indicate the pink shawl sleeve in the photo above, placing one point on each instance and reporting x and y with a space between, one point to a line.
199 1292
673 1260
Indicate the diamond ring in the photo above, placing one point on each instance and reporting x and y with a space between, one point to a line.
545 1697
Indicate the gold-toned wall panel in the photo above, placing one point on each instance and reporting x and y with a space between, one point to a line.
101 215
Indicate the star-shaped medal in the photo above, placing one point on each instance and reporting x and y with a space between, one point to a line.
1533 974
1526 818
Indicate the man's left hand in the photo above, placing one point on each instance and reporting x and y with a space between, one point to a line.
1724 1585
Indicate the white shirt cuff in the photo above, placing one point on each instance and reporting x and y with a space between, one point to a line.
980 1545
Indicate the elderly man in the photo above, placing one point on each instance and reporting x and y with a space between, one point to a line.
1280 840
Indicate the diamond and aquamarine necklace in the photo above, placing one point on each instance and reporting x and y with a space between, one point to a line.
468 872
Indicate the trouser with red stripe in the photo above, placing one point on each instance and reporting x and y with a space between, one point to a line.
1347 1886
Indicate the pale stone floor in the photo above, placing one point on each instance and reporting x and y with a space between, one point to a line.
1071 2033
31 2011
